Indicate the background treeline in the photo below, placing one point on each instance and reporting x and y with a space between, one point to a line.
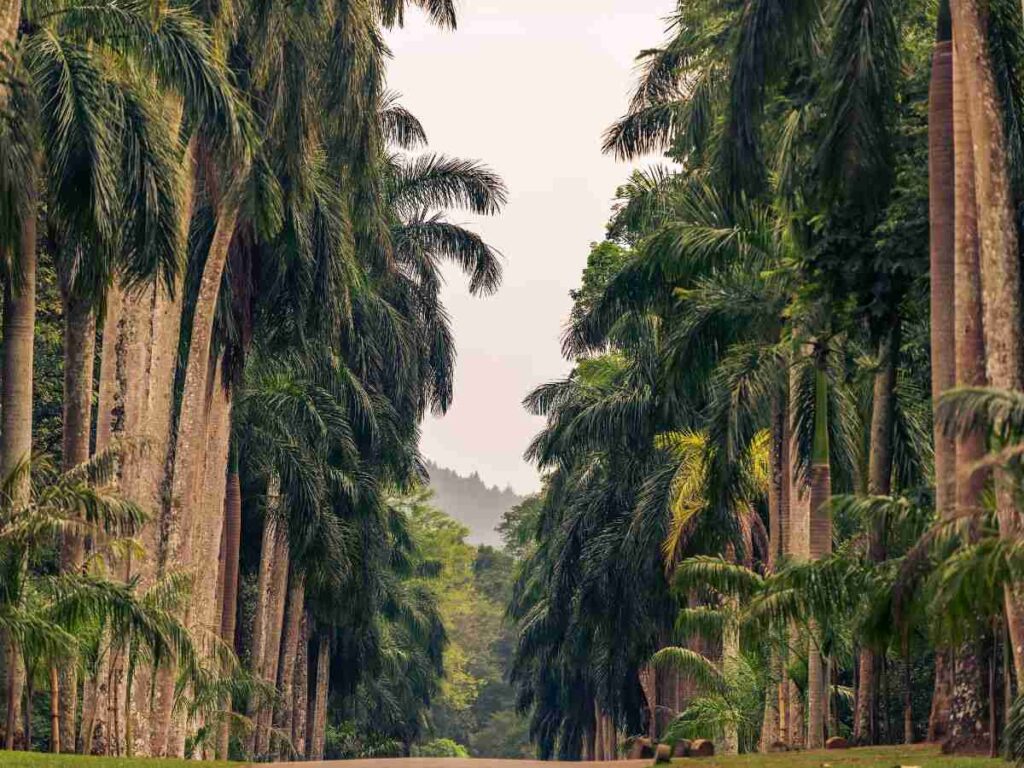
472 502
782 496
220 252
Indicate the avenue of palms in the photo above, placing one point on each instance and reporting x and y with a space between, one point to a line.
781 498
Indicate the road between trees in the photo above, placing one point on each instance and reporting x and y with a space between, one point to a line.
459 762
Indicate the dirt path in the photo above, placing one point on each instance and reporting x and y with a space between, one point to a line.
448 762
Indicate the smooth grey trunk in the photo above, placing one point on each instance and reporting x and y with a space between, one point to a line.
19 315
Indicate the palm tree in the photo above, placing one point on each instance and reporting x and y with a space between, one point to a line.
98 125
997 237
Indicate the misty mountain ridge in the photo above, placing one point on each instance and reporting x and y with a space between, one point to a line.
472 502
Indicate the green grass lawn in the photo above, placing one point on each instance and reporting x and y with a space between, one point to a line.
44 760
868 757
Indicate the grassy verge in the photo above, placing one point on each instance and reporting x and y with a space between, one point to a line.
44 760
923 756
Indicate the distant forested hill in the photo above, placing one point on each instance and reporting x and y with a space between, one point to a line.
474 504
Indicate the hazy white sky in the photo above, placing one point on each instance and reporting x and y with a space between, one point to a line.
528 86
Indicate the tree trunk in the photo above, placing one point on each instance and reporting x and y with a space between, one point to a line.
300 705
190 449
272 586
969 345
610 737
79 352
262 612
798 543
19 314
730 655
10 18
190 443
993 712
209 520
649 684
942 230
127 422
323 669
272 640
879 484
1000 258
292 634
109 410
967 722
14 689
944 218
908 709
820 540
778 523
229 610
54 711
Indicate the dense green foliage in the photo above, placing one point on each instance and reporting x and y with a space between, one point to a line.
739 514
216 218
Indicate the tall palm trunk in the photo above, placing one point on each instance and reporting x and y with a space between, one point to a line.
943 220
879 484
136 382
79 351
273 631
1000 258
10 16
290 639
262 612
319 727
777 524
208 523
820 540
16 415
272 586
649 685
190 448
797 541
730 656
108 410
229 609
963 716
300 699
190 443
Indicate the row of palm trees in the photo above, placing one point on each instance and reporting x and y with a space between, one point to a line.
249 265
785 464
